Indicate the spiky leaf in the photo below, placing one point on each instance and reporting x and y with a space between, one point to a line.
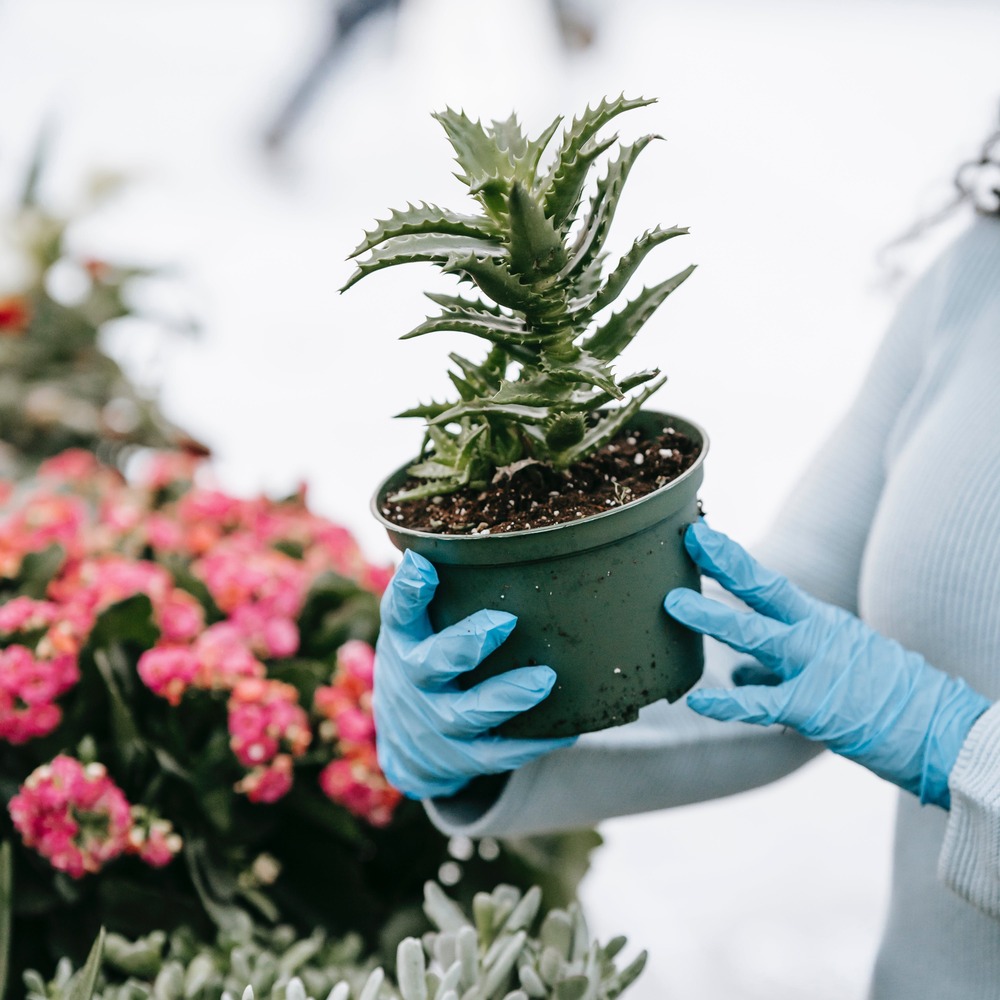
612 338
628 265
536 247
424 218
428 248
603 207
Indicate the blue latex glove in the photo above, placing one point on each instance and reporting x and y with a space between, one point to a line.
432 737
826 674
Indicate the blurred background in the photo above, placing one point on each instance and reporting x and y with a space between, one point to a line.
262 136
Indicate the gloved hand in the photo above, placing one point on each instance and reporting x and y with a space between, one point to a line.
826 674
432 737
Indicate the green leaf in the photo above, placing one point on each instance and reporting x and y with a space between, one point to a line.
130 620
83 984
38 570
607 427
473 408
494 280
611 339
508 137
536 147
627 266
586 368
536 247
497 329
123 725
565 189
6 912
587 126
427 219
602 208
428 248
426 410
475 150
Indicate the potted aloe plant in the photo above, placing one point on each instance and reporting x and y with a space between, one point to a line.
546 489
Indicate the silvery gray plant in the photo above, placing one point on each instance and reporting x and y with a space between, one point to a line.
534 254
493 956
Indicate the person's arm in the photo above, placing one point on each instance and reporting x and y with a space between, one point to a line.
671 756
969 862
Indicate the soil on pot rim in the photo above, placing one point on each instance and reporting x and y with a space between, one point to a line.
531 495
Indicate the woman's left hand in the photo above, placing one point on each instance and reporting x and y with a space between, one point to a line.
826 674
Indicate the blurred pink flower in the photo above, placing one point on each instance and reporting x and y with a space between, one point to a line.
270 783
356 782
264 718
168 671
73 815
28 690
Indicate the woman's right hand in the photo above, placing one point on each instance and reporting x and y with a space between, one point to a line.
432 736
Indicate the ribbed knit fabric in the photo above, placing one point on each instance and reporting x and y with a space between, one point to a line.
898 519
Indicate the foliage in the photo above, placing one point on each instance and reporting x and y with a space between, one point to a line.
59 388
536 259
186 734
496 955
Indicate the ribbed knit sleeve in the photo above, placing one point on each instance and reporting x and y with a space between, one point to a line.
970 859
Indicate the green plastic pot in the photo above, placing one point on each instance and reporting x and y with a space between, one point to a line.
588 596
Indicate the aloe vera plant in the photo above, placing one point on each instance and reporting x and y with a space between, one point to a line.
535 255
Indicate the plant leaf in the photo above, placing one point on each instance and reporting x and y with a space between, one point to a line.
610 340
423 248
6 912
475 151
536 246
565 190
536 147
423 219
603 206
493 328
586 368
495 281
627 266
587 125
83 984
607 427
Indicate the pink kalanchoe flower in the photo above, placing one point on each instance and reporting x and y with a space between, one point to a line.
75 465
73 815
270 783
346 703
224 658
180 617
165 468
356 782
168 671
356 665
28 689
269 636
23 614
44 519
163 533
153 839
265 718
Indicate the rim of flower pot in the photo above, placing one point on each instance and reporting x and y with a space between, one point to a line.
552 540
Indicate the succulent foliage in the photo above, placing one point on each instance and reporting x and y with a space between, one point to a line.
498 954
534 254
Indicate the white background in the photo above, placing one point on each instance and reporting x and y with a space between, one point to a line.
801 137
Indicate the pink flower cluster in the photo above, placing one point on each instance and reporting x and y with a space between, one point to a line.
267 729
75 816
29 688
227 580
354 778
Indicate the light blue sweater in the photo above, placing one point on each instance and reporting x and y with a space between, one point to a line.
898 519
